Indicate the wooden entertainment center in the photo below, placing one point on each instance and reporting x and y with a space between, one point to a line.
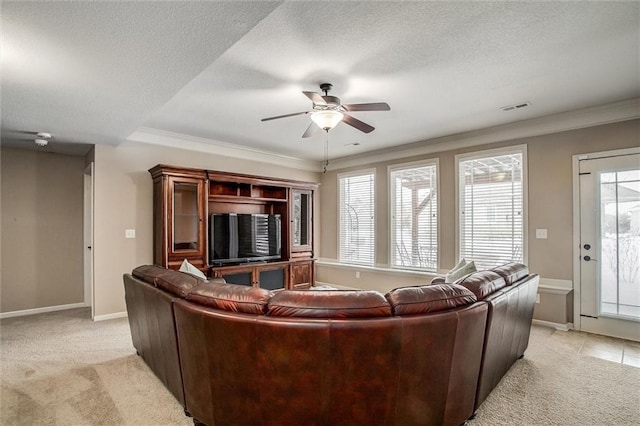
184 199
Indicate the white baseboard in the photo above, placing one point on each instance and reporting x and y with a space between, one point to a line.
558 326
110 316
46 309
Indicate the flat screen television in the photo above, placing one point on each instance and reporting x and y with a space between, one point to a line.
239 238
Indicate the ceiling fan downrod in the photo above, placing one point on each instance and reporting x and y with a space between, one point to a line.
325 87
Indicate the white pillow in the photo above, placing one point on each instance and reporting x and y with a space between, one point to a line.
190 269
456 274
459 265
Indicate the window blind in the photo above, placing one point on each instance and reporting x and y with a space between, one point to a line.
414 217
357 222
491 209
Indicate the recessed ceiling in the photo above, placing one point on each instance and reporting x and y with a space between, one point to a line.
95 72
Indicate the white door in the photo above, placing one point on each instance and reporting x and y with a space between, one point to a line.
88 237
610 246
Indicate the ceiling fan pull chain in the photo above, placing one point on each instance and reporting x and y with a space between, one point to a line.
326 153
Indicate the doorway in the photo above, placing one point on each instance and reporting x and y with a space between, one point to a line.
607 269
88 237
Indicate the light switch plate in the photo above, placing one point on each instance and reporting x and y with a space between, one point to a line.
129 233
541 234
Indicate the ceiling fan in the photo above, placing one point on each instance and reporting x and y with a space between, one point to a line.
40 138
327 112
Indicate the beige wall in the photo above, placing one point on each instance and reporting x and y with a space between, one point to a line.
554 307
41 229
369 279
550 199
123 200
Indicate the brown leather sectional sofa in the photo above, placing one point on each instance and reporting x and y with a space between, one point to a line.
238 355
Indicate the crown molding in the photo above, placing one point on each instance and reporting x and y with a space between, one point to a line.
193 143
588 117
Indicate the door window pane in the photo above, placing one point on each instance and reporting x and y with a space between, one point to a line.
620 243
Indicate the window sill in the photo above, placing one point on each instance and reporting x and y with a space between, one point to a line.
377 269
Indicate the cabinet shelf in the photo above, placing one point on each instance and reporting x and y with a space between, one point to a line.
244 190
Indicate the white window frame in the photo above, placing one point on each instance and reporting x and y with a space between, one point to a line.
391 195
515 149
340 176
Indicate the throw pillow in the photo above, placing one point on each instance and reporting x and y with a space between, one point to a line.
441 279
459 265
456 274
190 269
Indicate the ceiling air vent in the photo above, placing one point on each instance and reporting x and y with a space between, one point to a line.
517 106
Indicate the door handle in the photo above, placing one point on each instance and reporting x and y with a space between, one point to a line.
589 258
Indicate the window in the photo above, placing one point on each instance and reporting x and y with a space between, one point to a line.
491 206
414 215
356 229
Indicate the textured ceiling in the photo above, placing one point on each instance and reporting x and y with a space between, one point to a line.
96 72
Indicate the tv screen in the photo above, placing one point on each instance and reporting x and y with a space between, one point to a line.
236 238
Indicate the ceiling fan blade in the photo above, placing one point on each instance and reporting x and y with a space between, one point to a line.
315 98
360 125
310 130
286 115
375 106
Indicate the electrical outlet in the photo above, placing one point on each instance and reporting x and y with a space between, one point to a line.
129 233
537 298
357 274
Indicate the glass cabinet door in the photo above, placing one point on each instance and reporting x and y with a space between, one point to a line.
186 219
301 220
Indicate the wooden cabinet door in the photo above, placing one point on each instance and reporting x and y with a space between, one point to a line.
270 276
301 222
186 221
273 277
301 275
241 275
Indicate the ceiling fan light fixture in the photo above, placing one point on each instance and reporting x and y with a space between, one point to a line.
42 138
327 119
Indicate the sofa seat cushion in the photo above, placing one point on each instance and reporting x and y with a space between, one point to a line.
427 299
231 297
511 272
482 283
174 282
329 304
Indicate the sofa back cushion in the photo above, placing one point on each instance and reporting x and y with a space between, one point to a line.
174 282
329 304
482 283
429 298
231 297
511 272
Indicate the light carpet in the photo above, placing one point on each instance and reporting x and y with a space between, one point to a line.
63 369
